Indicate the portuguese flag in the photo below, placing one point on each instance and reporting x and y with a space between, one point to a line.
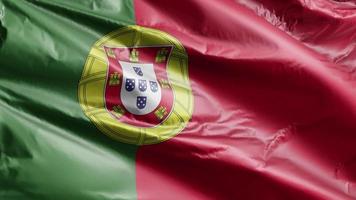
196 99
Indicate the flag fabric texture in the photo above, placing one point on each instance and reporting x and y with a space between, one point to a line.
155 99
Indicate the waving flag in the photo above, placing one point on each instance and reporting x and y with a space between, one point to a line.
154 99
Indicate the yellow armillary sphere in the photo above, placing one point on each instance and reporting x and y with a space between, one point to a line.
135 86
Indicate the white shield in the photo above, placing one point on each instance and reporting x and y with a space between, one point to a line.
137 100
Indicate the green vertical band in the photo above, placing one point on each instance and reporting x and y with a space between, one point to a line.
48 148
